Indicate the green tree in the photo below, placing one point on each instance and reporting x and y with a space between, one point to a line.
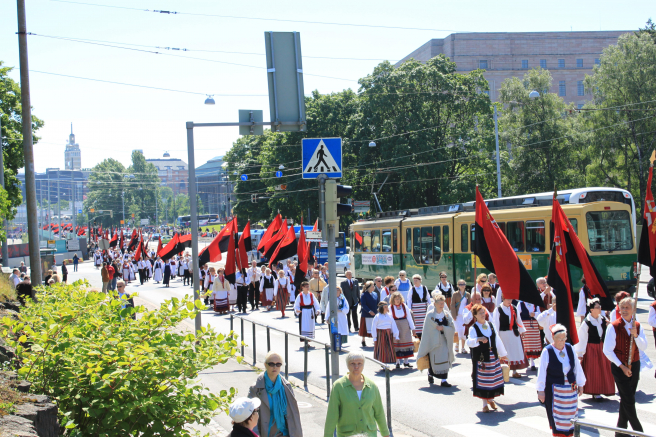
547 145
107 186
141 190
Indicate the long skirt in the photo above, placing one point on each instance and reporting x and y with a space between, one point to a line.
221 305
306 322
167 278
267 297
596 368
403 347
232 295
418 315
281 299
157 276
531 341
487 378
516 356
384 348
365 326
561 403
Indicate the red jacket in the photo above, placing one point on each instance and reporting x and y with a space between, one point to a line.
110 272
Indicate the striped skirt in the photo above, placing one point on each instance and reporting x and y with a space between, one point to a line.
403 347
596 368
365 326
384 348
561 409
532 341
281 299
221 305
488 378
418 315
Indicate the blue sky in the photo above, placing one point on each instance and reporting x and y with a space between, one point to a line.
112 120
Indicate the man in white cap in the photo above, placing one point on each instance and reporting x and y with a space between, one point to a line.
244 413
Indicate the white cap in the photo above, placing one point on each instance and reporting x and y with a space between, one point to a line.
242 408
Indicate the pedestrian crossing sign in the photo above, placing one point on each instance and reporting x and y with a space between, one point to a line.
322 156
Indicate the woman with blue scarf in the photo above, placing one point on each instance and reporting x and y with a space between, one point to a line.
279 415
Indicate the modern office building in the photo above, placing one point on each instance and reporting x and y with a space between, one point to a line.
569 56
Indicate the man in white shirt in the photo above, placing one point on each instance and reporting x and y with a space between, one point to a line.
547 319
15 278
254 275
242 282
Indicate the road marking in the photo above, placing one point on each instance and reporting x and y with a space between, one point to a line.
472 430
304 405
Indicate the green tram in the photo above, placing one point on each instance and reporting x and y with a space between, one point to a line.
428 240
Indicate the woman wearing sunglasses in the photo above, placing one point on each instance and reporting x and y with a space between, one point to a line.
279 415
459 302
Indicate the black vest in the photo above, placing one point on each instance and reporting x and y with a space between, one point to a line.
482 351
504 321
415 296
593 333
268 282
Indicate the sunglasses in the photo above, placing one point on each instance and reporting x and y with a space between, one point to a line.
461 285
401 275
442 276
483 280
274 364
257 410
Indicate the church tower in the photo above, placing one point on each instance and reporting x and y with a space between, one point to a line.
72 157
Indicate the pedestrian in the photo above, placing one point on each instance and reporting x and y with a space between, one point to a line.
509 326
531 339
494 285
22 268
158 271
384 333
316 287
403 285
487 349
267 286
15 277
280 292
403 346
615 314
104 275
46 279
419 301
596 366
167 274
351 289
97 259
141 269
560 382
113 270
208 285
480 281
547 318
468 318
355 405
242 281
306 307
437 341
279 413
254 288
220 290
76 261
445 287
186 272
244 413
625 368
487 298
388 281
459 301
342 315
24 290
368 308
584 294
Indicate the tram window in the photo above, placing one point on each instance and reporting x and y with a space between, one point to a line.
339 240
357 236
464 238
473 237
445 240
427 245
535 236
515 235
502 226
366 241
416 244
387 240
437 239
609 230
395 247
575 225
408 240
375 241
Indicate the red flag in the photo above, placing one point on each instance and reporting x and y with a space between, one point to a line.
270 232
242 261
114 241
502 260
139 253
647 245
212 252
159 244
303 253
168 251
286 248
272 244
230 261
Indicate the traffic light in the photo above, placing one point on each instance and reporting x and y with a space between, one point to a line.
253 198
334 193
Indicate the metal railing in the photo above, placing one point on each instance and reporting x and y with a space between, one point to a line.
306 341
578 423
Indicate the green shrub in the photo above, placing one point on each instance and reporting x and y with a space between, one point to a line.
7 292
112 375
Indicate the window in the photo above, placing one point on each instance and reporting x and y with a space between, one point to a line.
445 241
395 246
579 88
387 240
473 237
597 61
525 64
575 225
482 64
515 235
609 230
464 238
427 245
487 92
416 244
543 63
375 241
579 63
502 226
562 90
437 240
535 236
366 241
339 240
561 63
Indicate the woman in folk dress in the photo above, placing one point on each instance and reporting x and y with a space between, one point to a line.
384 333
403 347
267 287
531 339
368 307
480 281
445 288
459 301
437 340
220 289
281 292
403 285
209 281
509 325
167 274
419 301
487 298
468 318
126 271
342 314
158 271
306 308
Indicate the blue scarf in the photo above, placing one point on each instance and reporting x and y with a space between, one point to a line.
277 404
342 302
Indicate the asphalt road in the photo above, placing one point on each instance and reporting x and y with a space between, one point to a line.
417 408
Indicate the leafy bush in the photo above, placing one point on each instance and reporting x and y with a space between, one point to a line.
7 292
112 375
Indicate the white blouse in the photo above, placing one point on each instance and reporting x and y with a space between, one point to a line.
506 311
582 345
544 363
472 338
398 313
384 321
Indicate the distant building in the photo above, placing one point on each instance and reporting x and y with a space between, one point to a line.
214 188
569 56
72 156
173 172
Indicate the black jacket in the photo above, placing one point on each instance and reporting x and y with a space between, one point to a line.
240 431
352 294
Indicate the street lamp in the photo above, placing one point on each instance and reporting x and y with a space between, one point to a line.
210 99
372 144
534 94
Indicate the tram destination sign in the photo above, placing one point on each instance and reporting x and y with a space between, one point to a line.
377 259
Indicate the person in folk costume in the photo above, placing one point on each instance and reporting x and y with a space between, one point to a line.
487 298
181 267
596 366
173 266
267 287
560 382
546 294
615 314
385 293
254 289
210 276
384 333
547 319
492 282
419 301
480 281
509 325
437 340
617 344
202 273
134 269
403 346
584 294
342 315
445 288
149 268
220 289
242 282
317 284
291 274
368 308
186 277
652 321
140 270
126 271
281 291
468 318
158 270
306 307
167 274
459 300
97 259
403 285
531 339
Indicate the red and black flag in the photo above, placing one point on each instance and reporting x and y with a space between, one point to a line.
159 244
287 247
133 240
242 251
647 245
303 253
270 232
271 245
167 252
183 243
120 244
114 241
139 254
212 252
497 255
245 239
230 267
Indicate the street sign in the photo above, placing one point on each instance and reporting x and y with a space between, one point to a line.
322 156
244 177
79 211
280 187
73 244
278 174
361 206
92 210
250 116
103 244
145 222
313 236
132 215
122 222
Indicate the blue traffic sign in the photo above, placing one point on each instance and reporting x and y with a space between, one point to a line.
79 211
244 177
322 156
278 174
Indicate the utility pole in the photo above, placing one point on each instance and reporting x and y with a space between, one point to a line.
59 202
5 243
73 210
193 217
28 152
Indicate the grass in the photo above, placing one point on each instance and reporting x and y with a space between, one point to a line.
7 292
